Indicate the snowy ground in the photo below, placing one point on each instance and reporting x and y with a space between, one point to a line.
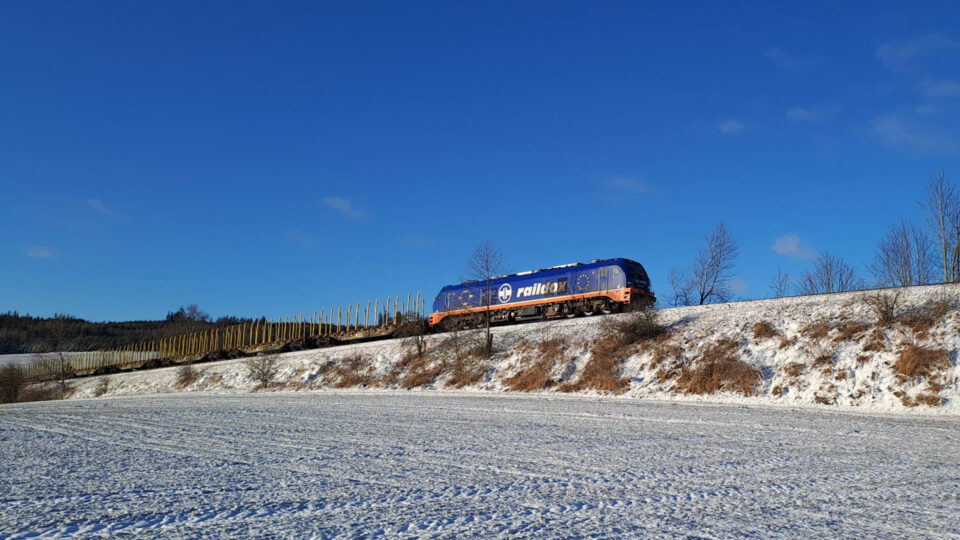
406 464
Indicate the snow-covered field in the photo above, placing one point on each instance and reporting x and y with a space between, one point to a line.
826 352
412 464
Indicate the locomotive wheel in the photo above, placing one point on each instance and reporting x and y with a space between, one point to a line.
588 311
570 312
606 308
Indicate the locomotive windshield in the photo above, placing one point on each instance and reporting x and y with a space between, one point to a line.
637 271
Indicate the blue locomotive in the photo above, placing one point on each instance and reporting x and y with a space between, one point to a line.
602 286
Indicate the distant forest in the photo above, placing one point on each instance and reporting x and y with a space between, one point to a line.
23 334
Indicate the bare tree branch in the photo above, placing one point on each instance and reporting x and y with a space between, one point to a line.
485 263
830 274
904 257
943 216
713 267
780 283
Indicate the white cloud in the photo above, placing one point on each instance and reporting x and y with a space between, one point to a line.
344 206
784 60
738 285
790 245
628 185
419 241
894 132
303 239
941 89
896 56
98 206
800 114
37 252
731 127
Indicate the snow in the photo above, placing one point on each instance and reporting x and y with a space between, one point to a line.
856 378
443 464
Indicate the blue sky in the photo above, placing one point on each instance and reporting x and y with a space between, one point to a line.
265 158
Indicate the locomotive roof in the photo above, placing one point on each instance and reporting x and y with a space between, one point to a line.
527 272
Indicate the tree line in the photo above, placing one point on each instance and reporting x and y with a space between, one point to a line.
25 334
908 254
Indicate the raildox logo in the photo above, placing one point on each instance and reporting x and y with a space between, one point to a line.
505 293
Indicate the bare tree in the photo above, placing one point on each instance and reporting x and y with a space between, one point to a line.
56 363
943 215
712 270
780 283
904 257
262 368
680 284
830 274
484 264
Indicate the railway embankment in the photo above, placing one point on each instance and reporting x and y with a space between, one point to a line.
889 350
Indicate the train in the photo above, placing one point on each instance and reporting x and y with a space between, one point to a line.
564 291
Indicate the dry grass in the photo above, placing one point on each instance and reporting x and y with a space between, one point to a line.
777 391
784 343
825 400
875 341
794 370
823 359
634 328
842 375
602 372
764 330
852 331
916 361
350 372
862 359
536 376
816 330
718 369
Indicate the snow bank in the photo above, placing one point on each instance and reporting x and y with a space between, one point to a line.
824 351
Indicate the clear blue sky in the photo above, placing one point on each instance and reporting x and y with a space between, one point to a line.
269 158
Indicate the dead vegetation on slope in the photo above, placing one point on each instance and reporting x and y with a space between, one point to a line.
719 370
916 361
536 373
764 330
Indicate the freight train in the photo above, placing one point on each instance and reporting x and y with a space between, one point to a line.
565 291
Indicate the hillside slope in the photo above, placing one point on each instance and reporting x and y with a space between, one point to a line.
822 351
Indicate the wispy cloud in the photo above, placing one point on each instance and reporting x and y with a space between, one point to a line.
925 109
628 185
786 61
731 127
98 206
810 114
895 133
302 239
941 89
790 245
344 206
419 241
37 252
896 56
738 285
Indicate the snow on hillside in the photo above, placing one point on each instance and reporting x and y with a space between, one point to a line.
820 351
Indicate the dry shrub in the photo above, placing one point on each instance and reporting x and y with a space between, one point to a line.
718 369
934 386
664 350
764 330
916 361
471 369
12 379
884 306
636 327
40 392
351 371
262 369
862 359
777 391
794 370
186 375
102 387
816 330
851 331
